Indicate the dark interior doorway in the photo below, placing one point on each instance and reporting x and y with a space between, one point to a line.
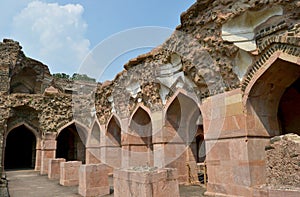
70 145
20 149
289 109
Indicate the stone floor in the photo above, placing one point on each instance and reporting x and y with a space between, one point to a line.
24 183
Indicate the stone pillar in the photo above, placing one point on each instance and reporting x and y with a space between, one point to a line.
111 156
146 182
92 155
54 168
48 151
169 148
93 180
125 163
69 173
158 139
235 161
38 156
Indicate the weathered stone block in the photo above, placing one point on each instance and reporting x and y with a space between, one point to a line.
142 182
69 173
54 168
93 180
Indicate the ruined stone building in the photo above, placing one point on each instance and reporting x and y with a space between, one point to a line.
217 90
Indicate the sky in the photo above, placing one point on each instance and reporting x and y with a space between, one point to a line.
95 37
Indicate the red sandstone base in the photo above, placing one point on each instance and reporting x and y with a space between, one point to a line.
54 168
69 173
146 183
93 180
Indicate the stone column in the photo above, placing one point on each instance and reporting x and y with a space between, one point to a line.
125 163
169 148
235 161
48 151
38 156
158 139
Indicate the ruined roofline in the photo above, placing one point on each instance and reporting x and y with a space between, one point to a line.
11 46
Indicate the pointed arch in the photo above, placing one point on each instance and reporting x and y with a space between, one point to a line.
183 119
71 141
182 92
21 142
180 109
140 124
36 133
25 82
114 130
83 130
265 90
95 134
259 69
140 107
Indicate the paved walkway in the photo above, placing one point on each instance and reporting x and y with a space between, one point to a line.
24 183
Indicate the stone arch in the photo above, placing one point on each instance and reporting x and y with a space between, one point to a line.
137 143
25 81
177 107
22 145
114 130
183 123
71 142
95 134
82 128
93 143
37 134
264 92
140 123
23 114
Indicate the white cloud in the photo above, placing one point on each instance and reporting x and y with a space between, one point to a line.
53 33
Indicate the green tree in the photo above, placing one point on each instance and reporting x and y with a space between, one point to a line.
82 77
61 76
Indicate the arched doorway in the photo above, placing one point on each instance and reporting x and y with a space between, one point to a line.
139 139
289 109
114 131
71 144
141 126
20 150
274 100
183 126
111 154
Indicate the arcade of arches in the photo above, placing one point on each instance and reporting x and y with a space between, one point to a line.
218 100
